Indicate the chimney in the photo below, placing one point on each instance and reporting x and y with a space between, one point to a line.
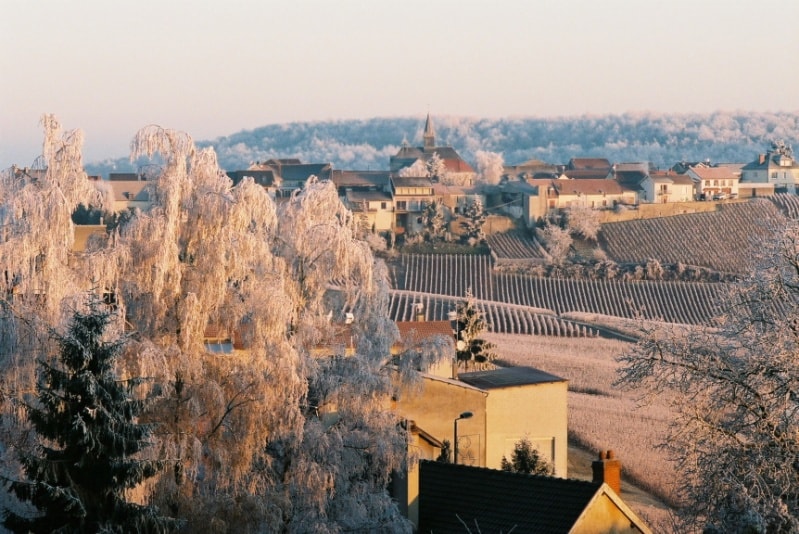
607 469
761 159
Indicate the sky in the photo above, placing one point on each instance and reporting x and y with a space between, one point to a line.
213 68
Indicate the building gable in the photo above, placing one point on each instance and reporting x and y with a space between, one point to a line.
451 496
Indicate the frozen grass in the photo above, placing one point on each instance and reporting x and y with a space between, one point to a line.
602 416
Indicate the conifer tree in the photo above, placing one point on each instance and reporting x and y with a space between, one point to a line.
88 440
474 216
471 348
526 459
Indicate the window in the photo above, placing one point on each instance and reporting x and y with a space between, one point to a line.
402 205
774 175
383 205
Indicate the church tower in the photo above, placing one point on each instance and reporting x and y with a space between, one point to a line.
429 134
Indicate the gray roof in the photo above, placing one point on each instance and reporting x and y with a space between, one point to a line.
303 171
411 181
368 196
363 179
504 377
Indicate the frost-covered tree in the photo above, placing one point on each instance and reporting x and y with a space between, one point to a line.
583 221
433 220
526 459
417 169
87 452
437 168
471 349
557 242
490 167
279 434
474 216
734 386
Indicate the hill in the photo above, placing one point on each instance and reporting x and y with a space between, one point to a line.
368 144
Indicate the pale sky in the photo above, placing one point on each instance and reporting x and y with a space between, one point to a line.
212 68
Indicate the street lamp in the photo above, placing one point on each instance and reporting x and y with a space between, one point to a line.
464 415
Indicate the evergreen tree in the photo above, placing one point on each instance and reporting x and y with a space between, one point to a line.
433 221
445 456
85 418
470 347
475 216
526 459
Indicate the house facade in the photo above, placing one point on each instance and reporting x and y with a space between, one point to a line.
411 197
507 404
666 186
714 183
777 167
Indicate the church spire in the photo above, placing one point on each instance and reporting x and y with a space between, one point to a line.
429 134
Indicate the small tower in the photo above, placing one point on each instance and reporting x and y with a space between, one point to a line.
429 134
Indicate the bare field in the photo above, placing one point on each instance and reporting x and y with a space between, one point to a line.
602 417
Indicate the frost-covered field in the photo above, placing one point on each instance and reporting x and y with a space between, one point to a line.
602 416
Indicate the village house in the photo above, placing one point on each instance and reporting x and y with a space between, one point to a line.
588 169
411 197
661 187
125 191
367 194
266 178
533 168
490 411
713 183
547 195
287 175
777 167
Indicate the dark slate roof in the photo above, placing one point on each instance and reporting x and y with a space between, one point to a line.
411 181
123 177
503 377
360 179
265 178
630 178
303 171
589 163
368 196
588 186
587 174
498 501
409 152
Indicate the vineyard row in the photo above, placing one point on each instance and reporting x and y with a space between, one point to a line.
451 275
501 318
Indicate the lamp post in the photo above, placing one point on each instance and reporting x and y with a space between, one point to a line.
464 415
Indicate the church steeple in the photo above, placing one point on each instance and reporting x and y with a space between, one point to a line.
429 134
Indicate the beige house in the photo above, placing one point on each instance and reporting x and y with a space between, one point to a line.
125 191
503 406
375 207
542 196
666 186
714 183
411 197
